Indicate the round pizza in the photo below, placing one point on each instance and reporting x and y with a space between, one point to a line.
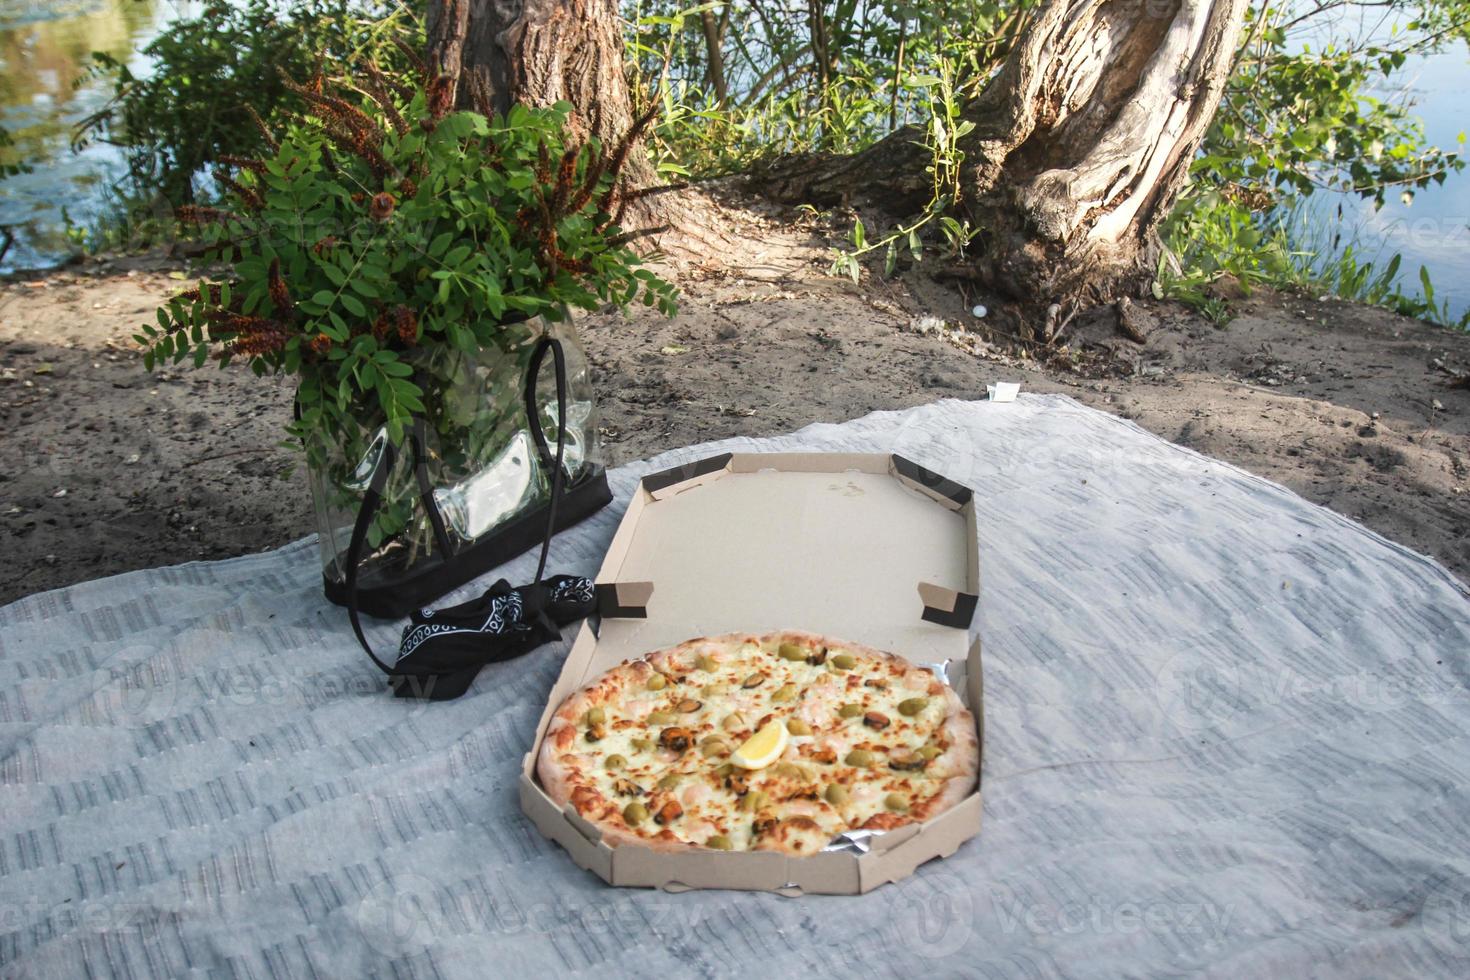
778 742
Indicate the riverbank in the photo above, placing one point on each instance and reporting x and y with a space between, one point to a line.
109 468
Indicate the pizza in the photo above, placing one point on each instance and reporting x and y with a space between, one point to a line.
776 742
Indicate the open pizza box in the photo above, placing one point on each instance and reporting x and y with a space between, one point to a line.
869 548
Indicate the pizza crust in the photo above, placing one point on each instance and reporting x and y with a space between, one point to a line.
704 691
615 836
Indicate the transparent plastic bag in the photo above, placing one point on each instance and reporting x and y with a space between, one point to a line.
479 475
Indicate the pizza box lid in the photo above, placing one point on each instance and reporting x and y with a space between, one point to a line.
870 548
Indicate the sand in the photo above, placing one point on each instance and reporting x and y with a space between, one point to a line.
107 468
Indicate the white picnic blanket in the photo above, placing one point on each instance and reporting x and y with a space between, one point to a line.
1226 731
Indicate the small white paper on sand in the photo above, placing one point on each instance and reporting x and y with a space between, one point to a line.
1003 391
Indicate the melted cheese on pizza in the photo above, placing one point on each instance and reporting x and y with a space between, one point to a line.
866 744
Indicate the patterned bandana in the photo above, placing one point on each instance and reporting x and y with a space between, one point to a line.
443 649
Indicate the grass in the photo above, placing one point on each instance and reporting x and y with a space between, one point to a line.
1287 247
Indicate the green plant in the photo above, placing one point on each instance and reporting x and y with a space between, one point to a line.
1208 236
1298 119
385 240
213 74
10 166
942 133
757 79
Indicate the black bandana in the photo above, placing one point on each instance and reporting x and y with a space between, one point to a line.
443 649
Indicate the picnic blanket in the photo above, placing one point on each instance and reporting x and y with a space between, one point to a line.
1226 730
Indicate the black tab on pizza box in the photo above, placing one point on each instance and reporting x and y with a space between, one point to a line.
623 600
935 483
947 607
663 479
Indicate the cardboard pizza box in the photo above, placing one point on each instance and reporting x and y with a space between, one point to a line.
869 548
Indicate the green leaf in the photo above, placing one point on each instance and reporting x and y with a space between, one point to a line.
408 394
352 304
393 367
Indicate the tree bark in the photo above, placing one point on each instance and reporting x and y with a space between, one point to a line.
1082 142
539 52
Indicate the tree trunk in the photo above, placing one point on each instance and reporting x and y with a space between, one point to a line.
1081 143
540 52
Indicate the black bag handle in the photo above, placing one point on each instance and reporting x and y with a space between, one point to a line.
533 417
426 490
374 493
365 514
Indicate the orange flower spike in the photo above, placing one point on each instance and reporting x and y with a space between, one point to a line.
280 296
258 337
406 324
247 195
193 214
381 328
441 96
614 168
243 163
382 206
263 129
566 173
543 165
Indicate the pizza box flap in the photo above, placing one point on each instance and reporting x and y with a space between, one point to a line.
864 547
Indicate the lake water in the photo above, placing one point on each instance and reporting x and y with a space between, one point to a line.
1435 228
46 89
1432 230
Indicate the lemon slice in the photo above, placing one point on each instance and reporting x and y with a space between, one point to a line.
762 748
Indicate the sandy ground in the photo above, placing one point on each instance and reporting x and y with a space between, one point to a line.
108 468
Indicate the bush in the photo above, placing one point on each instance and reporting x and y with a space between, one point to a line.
214 71
386 239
